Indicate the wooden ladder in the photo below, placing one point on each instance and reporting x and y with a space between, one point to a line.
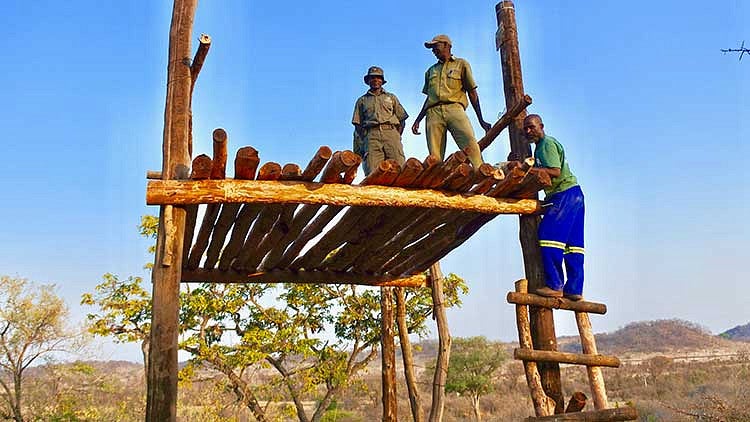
544 406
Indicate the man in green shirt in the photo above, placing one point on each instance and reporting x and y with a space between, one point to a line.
561 229
446 84
378 121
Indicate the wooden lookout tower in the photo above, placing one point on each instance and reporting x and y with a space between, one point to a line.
266 225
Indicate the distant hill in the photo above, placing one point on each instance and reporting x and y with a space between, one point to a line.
738 333
652 336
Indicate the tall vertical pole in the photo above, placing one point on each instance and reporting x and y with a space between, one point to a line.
542 323
161 396
444 344
388 355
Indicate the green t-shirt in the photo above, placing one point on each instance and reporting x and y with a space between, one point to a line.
550 153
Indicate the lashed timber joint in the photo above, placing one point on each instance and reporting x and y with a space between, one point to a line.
178 192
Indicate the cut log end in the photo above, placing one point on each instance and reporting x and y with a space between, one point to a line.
205 39
201 169
577 402
220 135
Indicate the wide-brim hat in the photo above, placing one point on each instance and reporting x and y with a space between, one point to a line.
436 39
374 71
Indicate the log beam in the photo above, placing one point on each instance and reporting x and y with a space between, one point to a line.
610 415
563 357
173 192
302 277
556 303
504 121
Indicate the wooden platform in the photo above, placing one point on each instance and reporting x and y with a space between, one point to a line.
282 225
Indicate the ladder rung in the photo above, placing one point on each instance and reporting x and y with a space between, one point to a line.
562 357
608 415
556 303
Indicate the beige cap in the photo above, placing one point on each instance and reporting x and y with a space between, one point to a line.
436 39
374 71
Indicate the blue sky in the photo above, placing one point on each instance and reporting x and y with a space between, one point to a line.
653 118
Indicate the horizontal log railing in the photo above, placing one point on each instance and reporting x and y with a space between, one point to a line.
562 357
185 192
556 303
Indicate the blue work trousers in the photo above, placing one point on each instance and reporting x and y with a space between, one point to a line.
561 239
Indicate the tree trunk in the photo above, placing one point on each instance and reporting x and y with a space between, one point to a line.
17 417
475 406
144 350
444 345
403 334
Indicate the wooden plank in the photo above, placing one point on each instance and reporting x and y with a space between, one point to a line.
588 344
556 303
563 357
161 376
610 415
304 277
543 405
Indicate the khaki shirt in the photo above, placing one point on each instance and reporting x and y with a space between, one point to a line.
448 82
372 110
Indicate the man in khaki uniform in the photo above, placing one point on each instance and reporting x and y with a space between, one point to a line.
446 84
378 123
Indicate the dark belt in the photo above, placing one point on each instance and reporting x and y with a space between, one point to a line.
382 126
441 103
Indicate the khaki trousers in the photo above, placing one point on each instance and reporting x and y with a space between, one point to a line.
451 117
383 144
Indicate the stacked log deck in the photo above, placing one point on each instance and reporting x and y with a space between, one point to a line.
311 225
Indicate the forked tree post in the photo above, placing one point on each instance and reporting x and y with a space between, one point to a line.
542 324
161 397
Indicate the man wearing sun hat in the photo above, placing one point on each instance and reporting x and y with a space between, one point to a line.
446 84
378 123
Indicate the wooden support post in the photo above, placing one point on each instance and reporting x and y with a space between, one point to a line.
415 401
161 396
588 344
543 405
444 344
388 355
542 323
